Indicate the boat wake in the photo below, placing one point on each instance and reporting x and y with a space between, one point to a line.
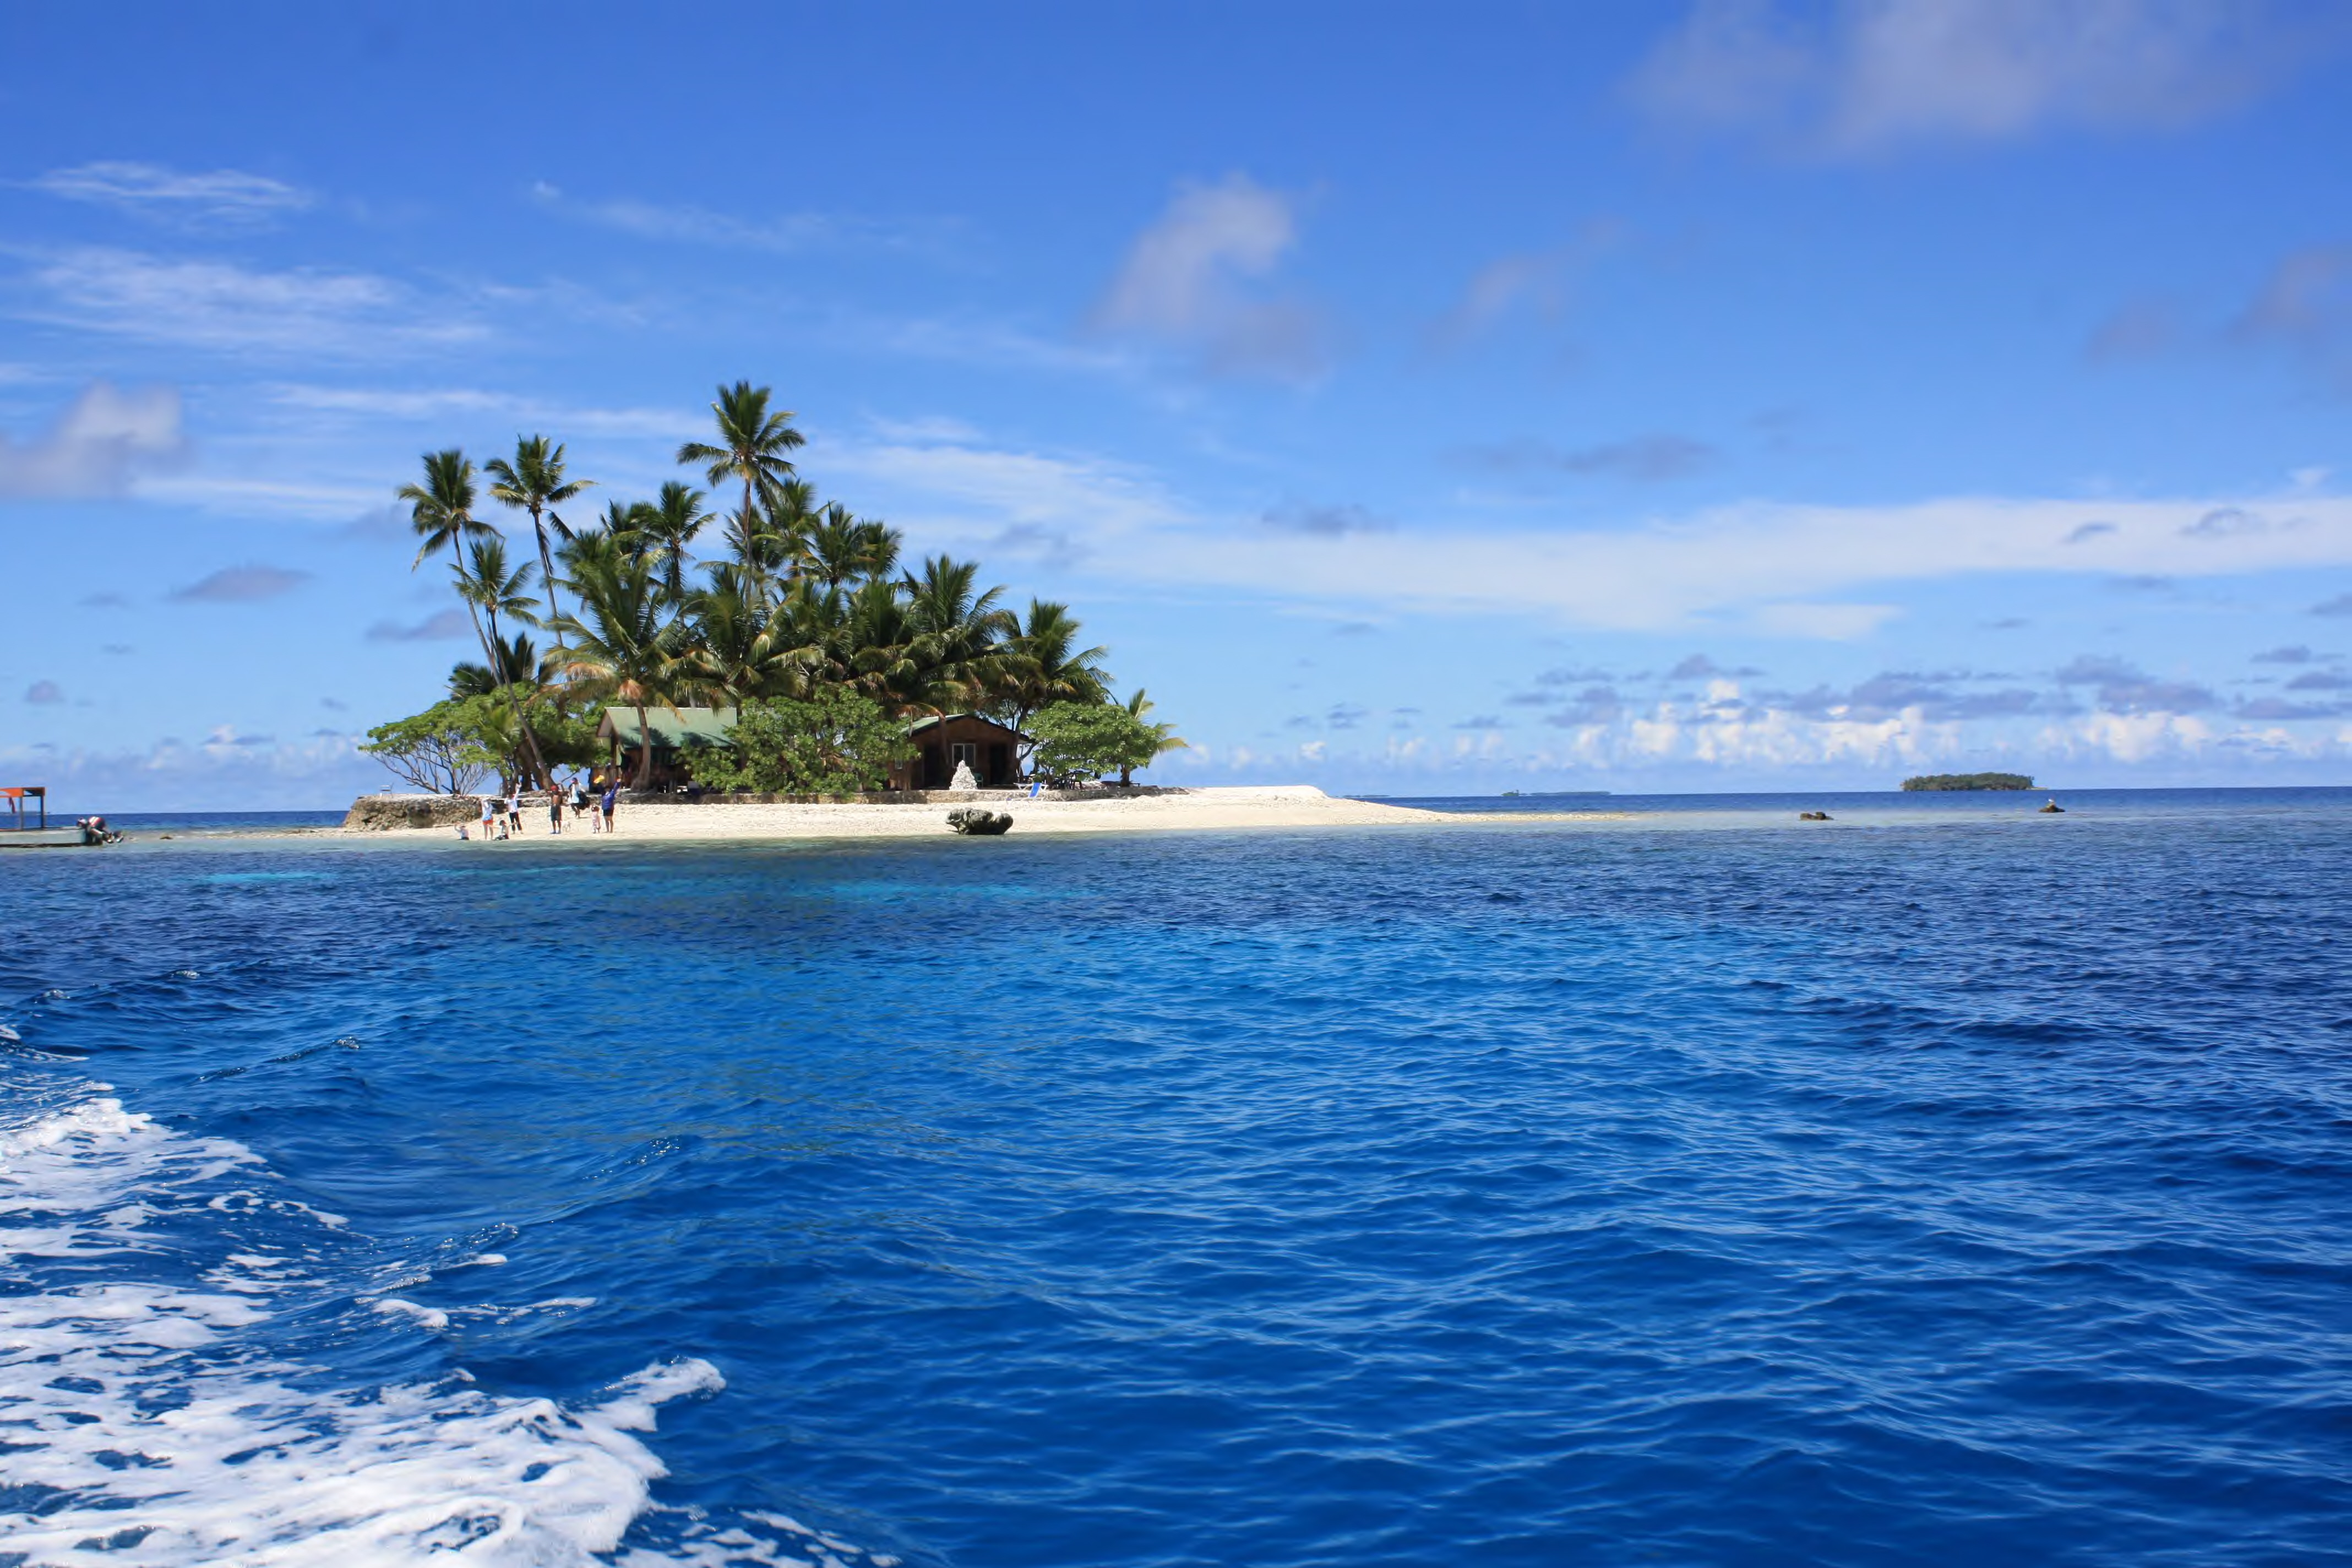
146 1418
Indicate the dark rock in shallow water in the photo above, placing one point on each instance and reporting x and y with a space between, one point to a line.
980 824
1812 816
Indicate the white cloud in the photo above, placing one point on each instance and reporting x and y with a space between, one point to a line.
1185 281
219 198
107 438
220 306
1787 568
1873 74
227 771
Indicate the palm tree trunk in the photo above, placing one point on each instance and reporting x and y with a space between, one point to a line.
645 751
547 575
531 759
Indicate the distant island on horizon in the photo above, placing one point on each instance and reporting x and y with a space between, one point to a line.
1969 781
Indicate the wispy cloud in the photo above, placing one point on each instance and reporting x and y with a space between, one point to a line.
219 198
1651 458
784 234
221 306
1530 281
241 585
44 693
1867 77
103 441
448 626
1325 521
2125 688
2142 329
439 406
1193 276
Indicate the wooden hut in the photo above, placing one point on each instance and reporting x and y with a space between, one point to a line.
674 733
994 749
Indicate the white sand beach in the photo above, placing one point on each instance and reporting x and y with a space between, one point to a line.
1218 809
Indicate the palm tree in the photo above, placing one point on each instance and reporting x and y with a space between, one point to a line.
738 653
751 448
1165 738
840 549
534 481
442 508
1044 666
959 631
516 662
487 586
628 651
668 526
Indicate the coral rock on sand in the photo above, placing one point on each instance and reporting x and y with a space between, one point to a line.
980 824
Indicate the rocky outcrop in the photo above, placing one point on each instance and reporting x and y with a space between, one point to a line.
380 813
980 824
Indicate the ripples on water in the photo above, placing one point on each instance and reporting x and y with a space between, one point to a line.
1523 1194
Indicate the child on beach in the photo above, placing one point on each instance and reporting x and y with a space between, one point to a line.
554 808
489 815
514 811
612 796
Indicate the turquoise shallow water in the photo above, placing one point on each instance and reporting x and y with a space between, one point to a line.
1955 1186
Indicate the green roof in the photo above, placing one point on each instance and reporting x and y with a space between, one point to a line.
919 725
682 726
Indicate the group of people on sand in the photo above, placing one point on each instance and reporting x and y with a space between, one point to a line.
594 797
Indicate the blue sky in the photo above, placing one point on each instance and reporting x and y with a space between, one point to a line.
1415 399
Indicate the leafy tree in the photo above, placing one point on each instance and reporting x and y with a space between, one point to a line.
566 737
1088 740
831 743
439 751
534 482
1164 737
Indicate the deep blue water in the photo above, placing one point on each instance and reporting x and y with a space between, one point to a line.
1956 1187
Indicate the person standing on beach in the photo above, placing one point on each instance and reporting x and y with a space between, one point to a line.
612 799
489 815
514 810
554 809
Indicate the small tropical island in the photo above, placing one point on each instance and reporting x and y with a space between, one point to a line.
797 679
1969 781
801 656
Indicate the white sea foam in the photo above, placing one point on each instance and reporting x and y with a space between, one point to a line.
147 1426
425 1316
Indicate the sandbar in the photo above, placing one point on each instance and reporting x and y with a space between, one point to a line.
1213 808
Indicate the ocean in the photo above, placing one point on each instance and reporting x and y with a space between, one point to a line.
1946 1183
